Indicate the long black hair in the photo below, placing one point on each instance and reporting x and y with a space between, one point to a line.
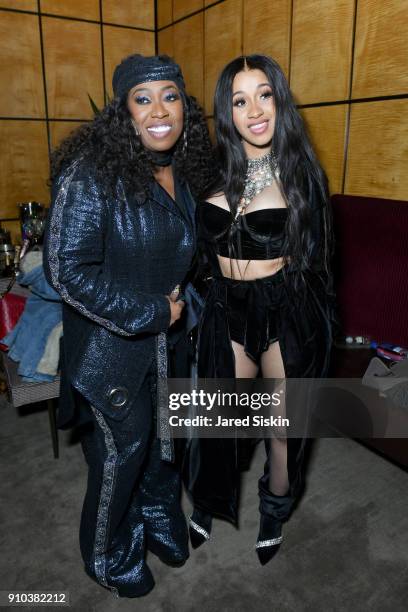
110 144
302 181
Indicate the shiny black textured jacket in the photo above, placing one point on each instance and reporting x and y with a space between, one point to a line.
113 261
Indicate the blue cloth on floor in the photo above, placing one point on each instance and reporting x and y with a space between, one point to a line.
42 313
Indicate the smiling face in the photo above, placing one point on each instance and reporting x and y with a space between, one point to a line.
253 111
157 113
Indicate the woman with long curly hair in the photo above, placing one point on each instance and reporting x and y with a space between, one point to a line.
265 230
119 245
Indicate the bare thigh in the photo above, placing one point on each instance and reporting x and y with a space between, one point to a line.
273 367
244 366
272 362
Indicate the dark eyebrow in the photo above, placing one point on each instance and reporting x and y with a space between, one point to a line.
161 89
258 86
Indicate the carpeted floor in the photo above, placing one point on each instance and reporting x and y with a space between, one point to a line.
345 548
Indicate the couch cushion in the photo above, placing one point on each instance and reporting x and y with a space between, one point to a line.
371 267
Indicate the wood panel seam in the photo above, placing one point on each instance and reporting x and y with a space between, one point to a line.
347 126
44 76
201 10
102 52
290 42
156 30
80 19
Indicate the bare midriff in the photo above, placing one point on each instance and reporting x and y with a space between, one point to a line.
244 269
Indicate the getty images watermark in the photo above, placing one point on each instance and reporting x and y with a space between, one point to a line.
220 401
293 407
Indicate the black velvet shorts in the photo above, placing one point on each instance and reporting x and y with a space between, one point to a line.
245 301
256 313
237 322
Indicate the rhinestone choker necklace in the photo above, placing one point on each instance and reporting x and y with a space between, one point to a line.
259 163
261 172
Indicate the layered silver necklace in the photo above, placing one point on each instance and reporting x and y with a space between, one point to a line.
260 173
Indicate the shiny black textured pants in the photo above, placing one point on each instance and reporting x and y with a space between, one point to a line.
132 502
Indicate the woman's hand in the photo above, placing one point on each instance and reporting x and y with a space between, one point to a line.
176 308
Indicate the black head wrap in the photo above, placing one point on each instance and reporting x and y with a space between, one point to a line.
137 69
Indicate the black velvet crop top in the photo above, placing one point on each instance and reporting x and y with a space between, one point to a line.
259 236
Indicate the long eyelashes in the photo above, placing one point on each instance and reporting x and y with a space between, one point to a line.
141 100
170 97
240 102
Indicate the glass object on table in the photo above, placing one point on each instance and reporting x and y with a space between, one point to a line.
32 218
6 253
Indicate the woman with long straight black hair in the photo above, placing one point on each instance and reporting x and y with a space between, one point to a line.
265 231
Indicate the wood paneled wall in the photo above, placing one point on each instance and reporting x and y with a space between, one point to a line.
53 53
346 62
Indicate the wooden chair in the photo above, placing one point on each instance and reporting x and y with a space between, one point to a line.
22 393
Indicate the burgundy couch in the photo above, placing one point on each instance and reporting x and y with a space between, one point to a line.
371 279
371 267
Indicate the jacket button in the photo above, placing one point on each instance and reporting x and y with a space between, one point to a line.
118 396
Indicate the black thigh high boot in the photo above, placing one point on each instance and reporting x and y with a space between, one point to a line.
276 509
